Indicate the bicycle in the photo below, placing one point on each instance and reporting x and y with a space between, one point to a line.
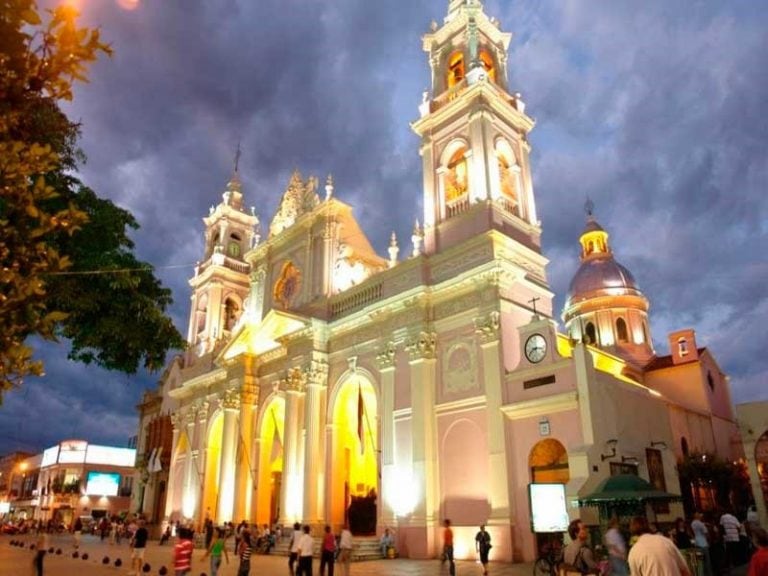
550 557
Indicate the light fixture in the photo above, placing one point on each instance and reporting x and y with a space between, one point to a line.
630 460
660 444
612 445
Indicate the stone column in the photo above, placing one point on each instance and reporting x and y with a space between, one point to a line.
291 500
317 378
202 457
170 494
189 498
487 329
230 403
421 348
249 398
388 487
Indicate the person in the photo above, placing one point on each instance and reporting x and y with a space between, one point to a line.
215 550
753 518
654 554
41 545
483 547
293 548
166 535
731 534
244 551
448 548
387 541
680 535
77 532
345 550
138 546
701 541
239 533
758 566
305 553
617 548
577 553
208 529
182 552
327 552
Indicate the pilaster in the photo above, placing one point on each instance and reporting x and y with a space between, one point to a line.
190 484
171 495
249 399
291 499
230 404
201 411
386 362
316 375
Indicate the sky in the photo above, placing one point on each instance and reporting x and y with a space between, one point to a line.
653 109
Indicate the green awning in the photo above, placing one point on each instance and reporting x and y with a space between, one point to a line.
626 489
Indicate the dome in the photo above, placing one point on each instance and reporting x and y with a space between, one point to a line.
596 275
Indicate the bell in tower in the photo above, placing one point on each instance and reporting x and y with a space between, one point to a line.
474 135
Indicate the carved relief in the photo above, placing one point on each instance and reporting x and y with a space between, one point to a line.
460 367
202 409
487 327
422 345
230 400
296 381
452 266
176 420
317 372
386 358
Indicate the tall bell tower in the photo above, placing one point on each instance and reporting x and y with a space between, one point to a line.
221 282
474 135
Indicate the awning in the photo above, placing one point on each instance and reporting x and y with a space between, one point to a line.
625 494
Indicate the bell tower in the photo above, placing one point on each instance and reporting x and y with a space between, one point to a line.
474 135
221 282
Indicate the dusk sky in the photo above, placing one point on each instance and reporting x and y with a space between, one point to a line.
654 109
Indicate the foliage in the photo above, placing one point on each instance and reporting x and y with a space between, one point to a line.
50 224
728 481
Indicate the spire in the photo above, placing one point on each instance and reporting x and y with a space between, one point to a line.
393 250
594 239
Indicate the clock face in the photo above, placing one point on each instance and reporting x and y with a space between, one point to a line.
535 348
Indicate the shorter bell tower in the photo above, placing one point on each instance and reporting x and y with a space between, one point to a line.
221 282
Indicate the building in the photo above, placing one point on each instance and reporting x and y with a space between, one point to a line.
329 384
753 422
17 479
74 478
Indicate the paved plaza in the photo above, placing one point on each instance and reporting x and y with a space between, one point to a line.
16 561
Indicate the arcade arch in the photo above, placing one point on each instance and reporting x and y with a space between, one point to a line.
271 433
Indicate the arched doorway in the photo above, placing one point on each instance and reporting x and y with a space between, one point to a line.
548 462
355 456
271 461
212 467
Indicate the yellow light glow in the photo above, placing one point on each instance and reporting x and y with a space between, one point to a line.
263 337
295 502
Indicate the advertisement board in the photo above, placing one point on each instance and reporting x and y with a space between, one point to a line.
102 484
549 512
50 457
110 456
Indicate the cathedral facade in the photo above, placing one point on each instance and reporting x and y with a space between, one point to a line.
327 384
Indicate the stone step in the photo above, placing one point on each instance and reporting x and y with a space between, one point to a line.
363 548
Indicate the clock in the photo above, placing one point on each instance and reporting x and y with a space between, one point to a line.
535 348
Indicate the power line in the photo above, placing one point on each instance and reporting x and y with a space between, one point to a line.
147 268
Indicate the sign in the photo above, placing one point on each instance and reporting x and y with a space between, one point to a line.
5 507
109 456
548 507
102 484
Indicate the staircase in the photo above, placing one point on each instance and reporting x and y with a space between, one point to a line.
363 548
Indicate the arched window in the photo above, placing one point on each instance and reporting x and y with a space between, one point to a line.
231 314
457 177
548 462
646 337
621 330
455 69
682 347
200 313
233 249
591 335
487 61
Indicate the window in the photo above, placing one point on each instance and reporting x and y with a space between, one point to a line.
231 314
455 69
591 336
233 249
456 179
710 381
682 347
487 61
646 337
508 178
621 330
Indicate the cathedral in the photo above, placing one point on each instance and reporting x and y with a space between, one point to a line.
328 384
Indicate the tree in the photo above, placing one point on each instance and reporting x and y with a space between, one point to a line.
61 246
707 481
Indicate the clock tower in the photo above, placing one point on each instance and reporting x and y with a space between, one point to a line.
474 135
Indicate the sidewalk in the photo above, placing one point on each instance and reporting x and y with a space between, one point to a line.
17 561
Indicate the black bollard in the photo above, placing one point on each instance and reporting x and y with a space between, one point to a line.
84 556
75 554
105 560
50 550
163 571
146 568
118 562
58 551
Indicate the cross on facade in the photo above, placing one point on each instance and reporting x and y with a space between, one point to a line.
532 302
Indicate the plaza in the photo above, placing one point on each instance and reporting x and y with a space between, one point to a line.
16 560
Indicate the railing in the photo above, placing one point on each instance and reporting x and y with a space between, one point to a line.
448 96
356 300
230 263
456 207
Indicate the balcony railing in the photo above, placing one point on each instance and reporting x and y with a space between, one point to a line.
360 298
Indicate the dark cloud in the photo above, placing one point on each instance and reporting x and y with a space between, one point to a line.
653 109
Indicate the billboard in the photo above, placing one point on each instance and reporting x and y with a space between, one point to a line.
548 507
109 456
50 457
102 484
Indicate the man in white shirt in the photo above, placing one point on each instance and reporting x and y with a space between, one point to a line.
654 554
293 548
345 550
701 540
305 553
731 531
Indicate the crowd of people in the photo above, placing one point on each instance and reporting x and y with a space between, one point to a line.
707 545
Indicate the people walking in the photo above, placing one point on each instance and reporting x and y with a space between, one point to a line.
327 552
305 553
216 549
345 550
208 529
578 553
293 548
617 548
448 548
701 541
654 554
182 552
244 551
138 546
483 547
731 536
41 545
77 532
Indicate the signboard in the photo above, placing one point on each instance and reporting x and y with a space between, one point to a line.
548 507
72 452
50 456
102 484
109 456
5 507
